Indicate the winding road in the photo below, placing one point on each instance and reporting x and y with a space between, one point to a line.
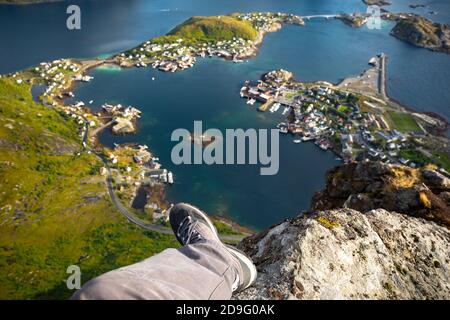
147 226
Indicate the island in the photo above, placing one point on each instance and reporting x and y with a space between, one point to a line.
424 33
233 37
354 20
418 5
379 3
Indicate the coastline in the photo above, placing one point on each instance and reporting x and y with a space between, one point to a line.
90 64
260 39
445 123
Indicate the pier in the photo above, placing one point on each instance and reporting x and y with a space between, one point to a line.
265 106
382 77
285 102
102 127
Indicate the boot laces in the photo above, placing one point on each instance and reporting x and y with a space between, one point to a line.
187 231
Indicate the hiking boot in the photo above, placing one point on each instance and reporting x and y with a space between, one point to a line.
185 220
191 225
248 270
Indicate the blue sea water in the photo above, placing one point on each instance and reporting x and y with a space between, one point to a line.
322 50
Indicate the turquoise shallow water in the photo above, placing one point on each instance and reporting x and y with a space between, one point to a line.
322 50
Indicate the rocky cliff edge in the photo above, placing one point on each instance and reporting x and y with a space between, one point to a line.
343 253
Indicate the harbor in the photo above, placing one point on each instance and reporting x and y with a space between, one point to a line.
354 119
164 80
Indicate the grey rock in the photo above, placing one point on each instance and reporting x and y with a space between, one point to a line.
346 254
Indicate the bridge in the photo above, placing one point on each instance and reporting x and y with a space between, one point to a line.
323 16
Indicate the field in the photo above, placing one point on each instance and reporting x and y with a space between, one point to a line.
439 159
403 122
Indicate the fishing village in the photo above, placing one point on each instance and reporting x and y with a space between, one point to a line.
136 174
354 119
342 118
179 49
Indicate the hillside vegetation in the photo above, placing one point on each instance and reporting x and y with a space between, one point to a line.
403 122
424 33
54 208
420 30
215 28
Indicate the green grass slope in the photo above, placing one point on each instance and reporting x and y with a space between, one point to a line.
54 207
403 122
215 28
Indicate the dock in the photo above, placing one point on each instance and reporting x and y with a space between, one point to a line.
265 106
382 76
102 127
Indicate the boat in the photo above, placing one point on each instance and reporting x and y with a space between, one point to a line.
305 138
284 130
86 78
297 140
170 177
251 102
274 107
